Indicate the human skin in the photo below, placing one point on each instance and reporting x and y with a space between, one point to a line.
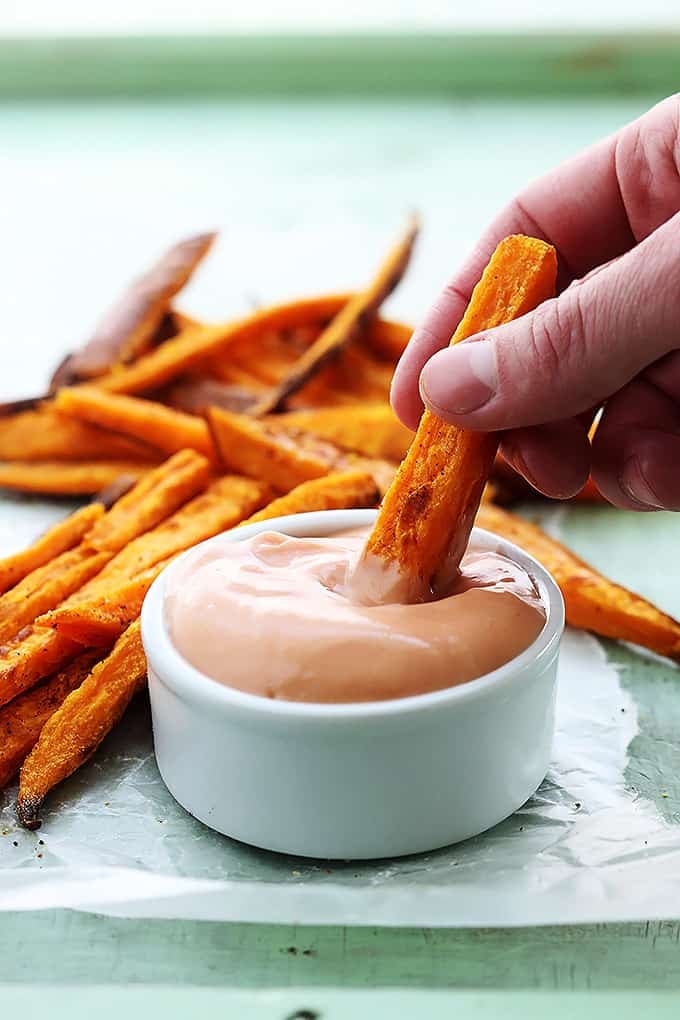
609 340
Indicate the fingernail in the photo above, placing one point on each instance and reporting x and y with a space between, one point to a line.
460 379
636 486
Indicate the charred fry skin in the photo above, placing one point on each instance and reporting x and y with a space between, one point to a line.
347 323
73 733
129 328
197 344
197 395
425 521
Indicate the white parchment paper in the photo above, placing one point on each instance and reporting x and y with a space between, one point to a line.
586 847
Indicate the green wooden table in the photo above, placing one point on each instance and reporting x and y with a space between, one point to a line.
307 193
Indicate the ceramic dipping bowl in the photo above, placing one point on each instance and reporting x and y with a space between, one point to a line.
354 781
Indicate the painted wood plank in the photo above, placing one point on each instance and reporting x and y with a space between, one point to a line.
68 948
335 65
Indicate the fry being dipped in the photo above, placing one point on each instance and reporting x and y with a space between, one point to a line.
427 515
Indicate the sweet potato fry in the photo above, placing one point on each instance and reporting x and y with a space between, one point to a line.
371 429
337 459
195 395
198 344
63 536
332 492
423 527
373 354
43 434
347 323
41 649
226 502
38 651
231 374
160 426
285 459
249 448
22 720
129 327
73 733
110 494
12 408
46 587
388 339
179 321
101 610
102 618
591 600
151 500
352 379
60 478
31 656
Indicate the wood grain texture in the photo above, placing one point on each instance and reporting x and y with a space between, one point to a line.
65 948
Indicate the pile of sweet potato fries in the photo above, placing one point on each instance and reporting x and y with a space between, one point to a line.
185 430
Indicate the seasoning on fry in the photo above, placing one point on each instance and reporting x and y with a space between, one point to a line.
22 720
151 500
248 447
73 733
47 586
32 655
105 615
63 536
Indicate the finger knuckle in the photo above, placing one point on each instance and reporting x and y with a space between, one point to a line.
557 337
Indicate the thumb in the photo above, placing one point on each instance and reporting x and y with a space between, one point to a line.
572 352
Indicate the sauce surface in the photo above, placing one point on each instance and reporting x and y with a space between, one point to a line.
271 616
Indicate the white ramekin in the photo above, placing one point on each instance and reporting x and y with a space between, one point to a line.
378 779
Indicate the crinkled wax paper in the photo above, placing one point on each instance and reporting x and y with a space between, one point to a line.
587 847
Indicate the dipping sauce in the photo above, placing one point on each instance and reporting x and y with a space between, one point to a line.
271 616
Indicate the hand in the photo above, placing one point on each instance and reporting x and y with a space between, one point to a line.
610 339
